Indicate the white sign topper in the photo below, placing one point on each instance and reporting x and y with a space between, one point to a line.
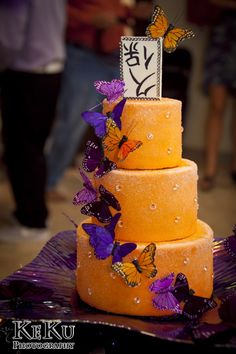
141 67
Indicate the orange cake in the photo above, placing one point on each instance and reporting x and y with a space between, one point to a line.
141 249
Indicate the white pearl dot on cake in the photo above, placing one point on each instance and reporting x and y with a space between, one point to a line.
150 136
89 254
186 260
195 199
137 300
112 275
169 150
120 223
176 187
168 114
182 129
153 206
205 268
89 291
78 264
118 188
177 219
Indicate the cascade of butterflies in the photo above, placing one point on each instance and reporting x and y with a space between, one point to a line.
110 141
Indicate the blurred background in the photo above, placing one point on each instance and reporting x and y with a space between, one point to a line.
182 79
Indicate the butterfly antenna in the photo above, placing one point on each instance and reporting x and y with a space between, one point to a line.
69 218
178 17
97 105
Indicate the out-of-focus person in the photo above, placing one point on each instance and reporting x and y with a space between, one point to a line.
219 82
93 34
32 55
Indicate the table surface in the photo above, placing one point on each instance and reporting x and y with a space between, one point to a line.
29 294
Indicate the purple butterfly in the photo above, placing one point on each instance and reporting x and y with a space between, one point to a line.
95 160
100 208
112 90
230 243
164 299
102 240
194 306
97 121
87 194
117 112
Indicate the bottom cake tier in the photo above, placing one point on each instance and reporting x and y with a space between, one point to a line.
103 288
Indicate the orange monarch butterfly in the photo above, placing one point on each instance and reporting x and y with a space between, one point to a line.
144 264
115 142
160 27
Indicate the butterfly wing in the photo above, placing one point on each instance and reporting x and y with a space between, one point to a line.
100 239
127 147
99 209
117 112
97 121
146 261
195 306
159 24
112 90
166 301
174 37
113 136
105 166
128 272
162 284
108 198
122 250
111 226
93 155
87 194
181 288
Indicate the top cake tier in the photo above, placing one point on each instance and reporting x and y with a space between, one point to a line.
157 123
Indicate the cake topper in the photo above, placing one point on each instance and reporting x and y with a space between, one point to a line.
102 240
160 27
141 67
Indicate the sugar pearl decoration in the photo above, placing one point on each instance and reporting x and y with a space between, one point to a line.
120 223
118 188
150 136
78 264
186 260
89 291
89 254
176 187
182 129
153 206
177 219
112 275
168 114
169 150
205 268
137 300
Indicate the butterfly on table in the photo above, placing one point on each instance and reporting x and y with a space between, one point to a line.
194 306
143 265
164 299
160 27
117 143
95 160
102 239
87 194
100 208
98 120
112 90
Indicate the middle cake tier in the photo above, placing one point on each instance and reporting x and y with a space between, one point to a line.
156 205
